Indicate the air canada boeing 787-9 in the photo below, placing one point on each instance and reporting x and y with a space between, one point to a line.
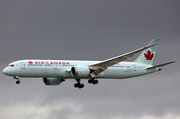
54 72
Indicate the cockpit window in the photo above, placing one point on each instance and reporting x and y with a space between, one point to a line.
11 65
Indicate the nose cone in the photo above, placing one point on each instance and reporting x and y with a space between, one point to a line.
5 71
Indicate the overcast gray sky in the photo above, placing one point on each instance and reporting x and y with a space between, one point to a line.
90 30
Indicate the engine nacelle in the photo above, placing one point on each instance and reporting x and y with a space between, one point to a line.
52 81
80 71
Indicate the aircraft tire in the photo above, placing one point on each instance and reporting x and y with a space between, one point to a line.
18 82
89 81
81 85
95 82
76 85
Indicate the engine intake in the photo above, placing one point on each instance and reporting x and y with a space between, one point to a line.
80 71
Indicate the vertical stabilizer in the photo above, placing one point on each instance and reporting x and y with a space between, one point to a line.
147 56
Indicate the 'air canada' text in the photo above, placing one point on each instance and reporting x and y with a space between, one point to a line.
48 62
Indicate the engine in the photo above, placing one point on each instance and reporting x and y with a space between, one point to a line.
52 81
80 71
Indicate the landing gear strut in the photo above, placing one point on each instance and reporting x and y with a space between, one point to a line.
17 78
78 84
93 81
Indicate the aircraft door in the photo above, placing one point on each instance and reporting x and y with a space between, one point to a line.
128 70
22 65
55 66
134 67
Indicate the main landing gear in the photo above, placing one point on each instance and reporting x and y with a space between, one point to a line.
78 84
93 81
17 78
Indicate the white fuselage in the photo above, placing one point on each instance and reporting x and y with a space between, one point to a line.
61 69
54 72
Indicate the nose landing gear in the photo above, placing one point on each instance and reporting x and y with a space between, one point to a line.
17 78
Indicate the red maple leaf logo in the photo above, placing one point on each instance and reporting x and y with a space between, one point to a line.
148 55
30 62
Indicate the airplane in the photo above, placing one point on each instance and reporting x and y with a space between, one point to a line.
54 72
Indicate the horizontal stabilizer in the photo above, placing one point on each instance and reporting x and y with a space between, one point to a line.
160 65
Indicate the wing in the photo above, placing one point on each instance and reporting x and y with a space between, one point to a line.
99 67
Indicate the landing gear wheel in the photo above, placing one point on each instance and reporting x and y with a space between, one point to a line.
89 81
95 82
17 78
76 85
18 82
81 86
